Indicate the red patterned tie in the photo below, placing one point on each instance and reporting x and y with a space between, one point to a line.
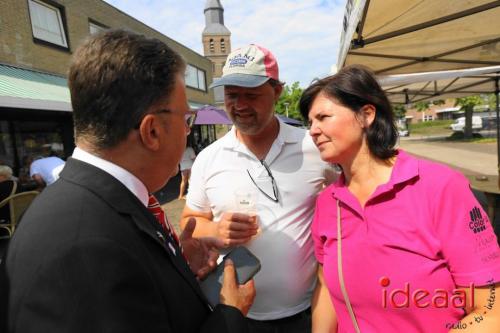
155 208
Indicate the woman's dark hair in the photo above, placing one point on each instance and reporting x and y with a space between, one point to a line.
354 87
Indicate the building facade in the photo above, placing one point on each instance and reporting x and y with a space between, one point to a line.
37 39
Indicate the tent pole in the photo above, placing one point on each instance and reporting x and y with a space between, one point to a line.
498 128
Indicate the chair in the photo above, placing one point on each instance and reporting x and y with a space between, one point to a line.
18 203
8 188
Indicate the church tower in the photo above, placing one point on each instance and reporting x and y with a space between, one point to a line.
216 37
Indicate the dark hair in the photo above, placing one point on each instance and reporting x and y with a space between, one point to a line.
114 79
354 87
275 83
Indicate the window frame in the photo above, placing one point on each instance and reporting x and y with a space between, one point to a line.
92 22
61 16
198 71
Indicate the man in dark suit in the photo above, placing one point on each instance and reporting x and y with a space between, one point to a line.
88 255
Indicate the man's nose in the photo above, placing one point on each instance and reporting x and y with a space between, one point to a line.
240 103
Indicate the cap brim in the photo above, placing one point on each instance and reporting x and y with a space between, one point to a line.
240 80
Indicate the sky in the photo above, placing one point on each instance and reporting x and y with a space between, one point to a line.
303 35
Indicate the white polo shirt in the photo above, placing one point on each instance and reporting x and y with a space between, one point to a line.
45 168
287 277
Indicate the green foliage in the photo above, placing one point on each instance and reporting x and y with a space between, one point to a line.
422 106
290 98
433 123
429 128
491 101
399 111
468 102
425 105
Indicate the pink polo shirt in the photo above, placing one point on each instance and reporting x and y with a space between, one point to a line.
417 238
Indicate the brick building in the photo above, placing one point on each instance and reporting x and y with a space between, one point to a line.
37 39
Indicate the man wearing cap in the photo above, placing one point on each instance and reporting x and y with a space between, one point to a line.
278 170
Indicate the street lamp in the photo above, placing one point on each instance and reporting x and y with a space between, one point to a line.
286 108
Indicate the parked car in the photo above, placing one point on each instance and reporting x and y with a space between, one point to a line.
402 129
459 124
403 132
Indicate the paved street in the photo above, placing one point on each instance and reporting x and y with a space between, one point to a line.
470 158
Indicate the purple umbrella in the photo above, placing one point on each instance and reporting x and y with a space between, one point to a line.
210 115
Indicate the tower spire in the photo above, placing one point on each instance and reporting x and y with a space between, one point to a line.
216 37
214 18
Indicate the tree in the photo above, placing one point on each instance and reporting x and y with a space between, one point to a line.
491 100
467 105
422 106
399 111
289 101
425 105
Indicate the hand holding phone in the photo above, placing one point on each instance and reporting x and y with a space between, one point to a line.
240 296
246 266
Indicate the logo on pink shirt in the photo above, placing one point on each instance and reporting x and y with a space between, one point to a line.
477 221
423 298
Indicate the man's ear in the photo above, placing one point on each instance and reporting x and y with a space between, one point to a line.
368 113
149 131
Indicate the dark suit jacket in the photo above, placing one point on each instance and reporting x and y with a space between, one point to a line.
87 257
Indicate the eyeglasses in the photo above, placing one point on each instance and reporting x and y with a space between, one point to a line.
273 182
189 118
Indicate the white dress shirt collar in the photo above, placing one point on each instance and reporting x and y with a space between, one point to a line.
123 176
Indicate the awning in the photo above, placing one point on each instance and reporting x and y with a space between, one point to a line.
416 87
411 36
28 89
210 115
417 36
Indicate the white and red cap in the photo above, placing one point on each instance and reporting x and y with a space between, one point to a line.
249 66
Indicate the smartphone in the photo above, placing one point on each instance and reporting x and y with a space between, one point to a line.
246 265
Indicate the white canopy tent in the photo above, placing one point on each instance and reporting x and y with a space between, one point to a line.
413 36
416 87
411 88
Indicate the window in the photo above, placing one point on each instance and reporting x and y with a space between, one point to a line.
211 45
201 80
427 117
47 23
95 28
195 78
222 45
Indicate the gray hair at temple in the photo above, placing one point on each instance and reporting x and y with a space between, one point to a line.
5 172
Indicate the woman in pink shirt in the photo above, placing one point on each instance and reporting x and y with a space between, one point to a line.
402 243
